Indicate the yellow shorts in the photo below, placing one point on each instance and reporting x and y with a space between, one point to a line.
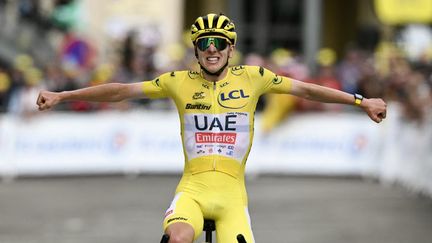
212 195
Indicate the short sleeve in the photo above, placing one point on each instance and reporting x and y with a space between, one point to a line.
155 88
268 82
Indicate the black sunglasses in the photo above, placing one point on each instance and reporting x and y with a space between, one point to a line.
219 43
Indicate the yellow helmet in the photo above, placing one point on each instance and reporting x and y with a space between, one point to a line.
213 25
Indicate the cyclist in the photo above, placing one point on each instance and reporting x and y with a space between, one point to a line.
216 108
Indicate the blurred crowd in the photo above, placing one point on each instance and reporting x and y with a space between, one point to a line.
384 72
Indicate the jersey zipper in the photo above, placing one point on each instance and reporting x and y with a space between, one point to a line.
214 113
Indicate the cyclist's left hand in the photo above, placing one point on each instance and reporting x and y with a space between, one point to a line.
375 108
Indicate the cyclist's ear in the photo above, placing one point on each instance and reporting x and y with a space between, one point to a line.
231 51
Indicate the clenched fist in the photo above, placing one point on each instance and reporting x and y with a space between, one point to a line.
47 99
375 108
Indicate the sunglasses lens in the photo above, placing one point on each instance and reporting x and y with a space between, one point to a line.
219 43
202 44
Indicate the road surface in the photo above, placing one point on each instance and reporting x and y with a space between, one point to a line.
114 209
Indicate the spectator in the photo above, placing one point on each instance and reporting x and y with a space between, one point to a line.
349 71
326 76
277 106
5 84
23 102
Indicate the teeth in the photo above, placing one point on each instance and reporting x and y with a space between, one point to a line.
213 59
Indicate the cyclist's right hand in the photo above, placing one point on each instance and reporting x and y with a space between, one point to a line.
47 99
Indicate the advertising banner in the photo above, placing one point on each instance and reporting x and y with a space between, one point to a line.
150 142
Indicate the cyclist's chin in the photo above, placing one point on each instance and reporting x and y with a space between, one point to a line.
213 67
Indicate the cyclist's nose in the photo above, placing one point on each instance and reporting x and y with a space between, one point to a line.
211 48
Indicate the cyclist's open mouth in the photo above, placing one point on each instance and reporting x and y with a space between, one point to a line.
213 60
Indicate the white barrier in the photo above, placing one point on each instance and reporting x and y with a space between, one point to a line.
150 142
323 143
407 153
71 143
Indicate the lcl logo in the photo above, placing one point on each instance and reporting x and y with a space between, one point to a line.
234 94
234 99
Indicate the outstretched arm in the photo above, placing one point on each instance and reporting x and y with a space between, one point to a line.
375 108
111 92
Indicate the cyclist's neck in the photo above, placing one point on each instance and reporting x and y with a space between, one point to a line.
213 77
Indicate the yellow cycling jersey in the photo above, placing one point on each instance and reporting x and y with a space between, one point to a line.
217 118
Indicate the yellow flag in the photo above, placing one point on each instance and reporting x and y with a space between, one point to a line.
393 12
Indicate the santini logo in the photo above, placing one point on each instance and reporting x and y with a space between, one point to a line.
197 107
